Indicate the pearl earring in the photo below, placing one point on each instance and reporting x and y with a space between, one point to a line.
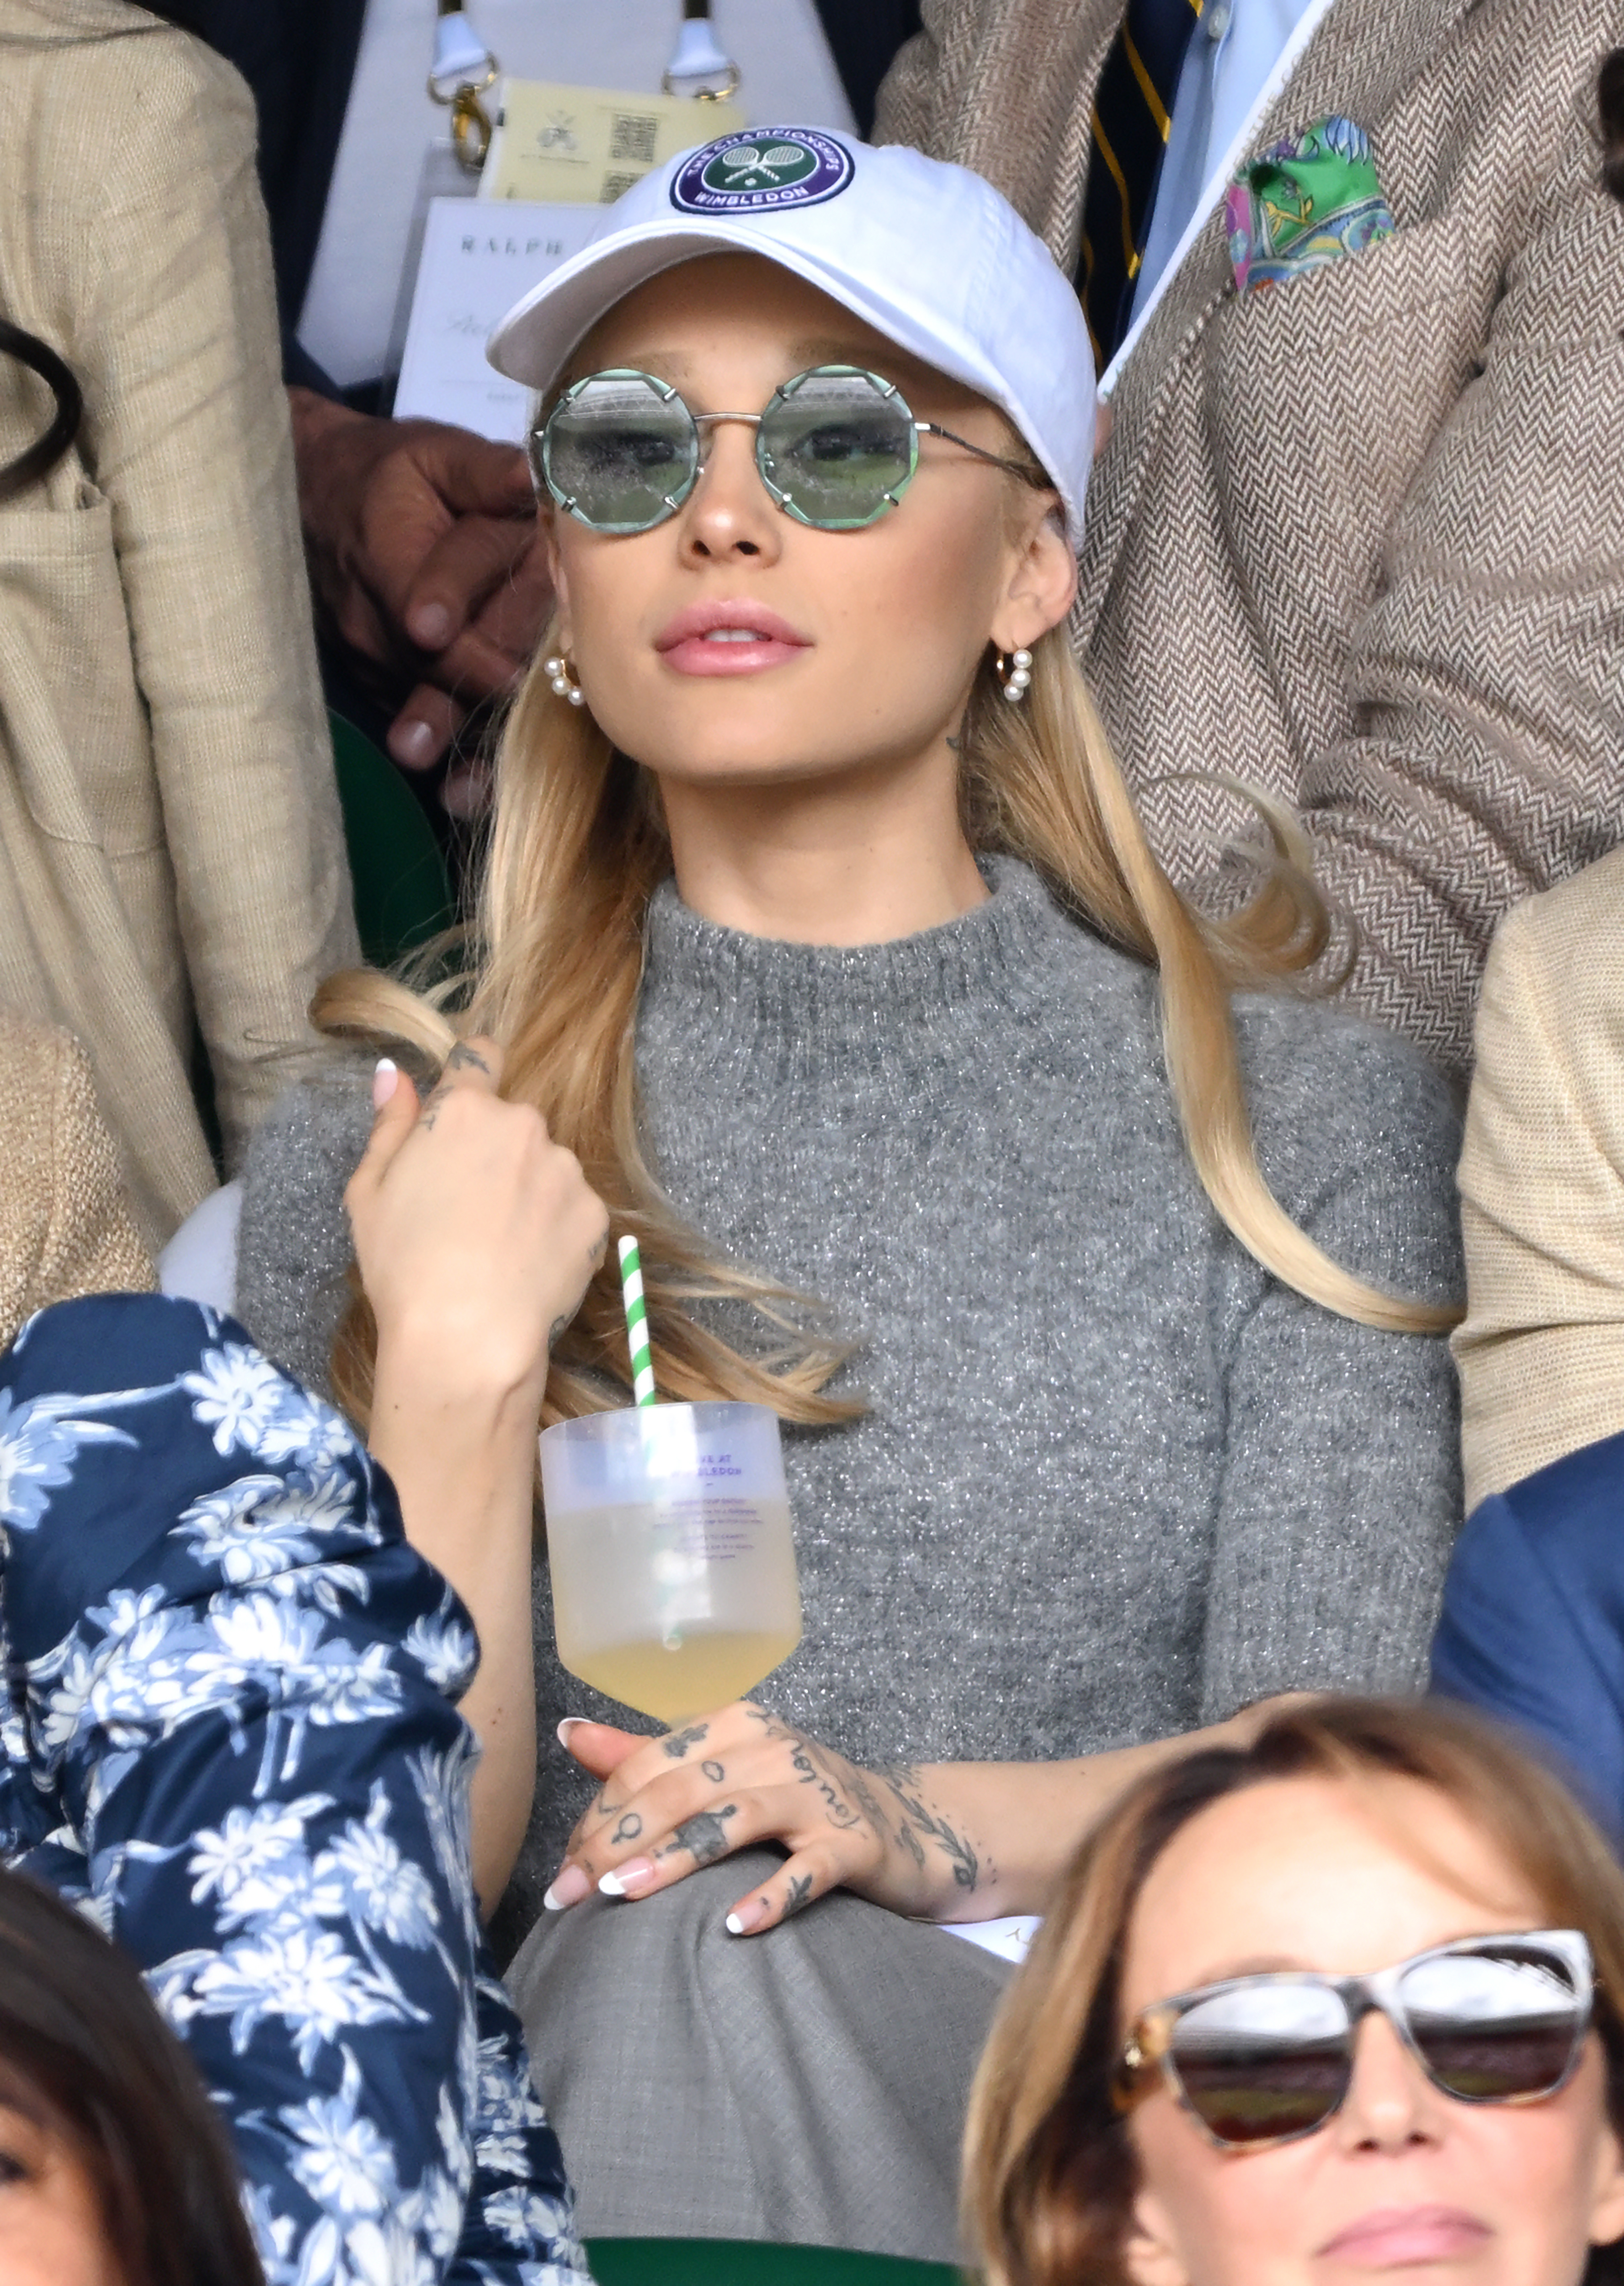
1015 673
561 673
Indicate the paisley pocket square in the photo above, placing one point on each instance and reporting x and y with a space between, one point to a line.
1307 201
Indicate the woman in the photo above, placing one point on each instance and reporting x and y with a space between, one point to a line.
114 2170
1342 2003
233 1742
818 925
173 861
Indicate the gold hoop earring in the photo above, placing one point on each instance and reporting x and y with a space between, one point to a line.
1014 673
561 673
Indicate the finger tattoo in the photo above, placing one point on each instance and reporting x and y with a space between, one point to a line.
800 1893
631 1825
714 1773
463 1058
703 1836
676 1746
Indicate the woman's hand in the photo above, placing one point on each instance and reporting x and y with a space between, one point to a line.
943 1842
740 1777
475 1234
476 1237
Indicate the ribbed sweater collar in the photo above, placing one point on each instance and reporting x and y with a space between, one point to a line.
722 992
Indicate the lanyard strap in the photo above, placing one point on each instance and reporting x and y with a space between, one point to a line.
698 60
464 69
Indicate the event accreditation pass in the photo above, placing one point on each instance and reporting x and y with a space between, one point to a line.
558 156
587 145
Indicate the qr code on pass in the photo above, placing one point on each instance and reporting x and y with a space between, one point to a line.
614 186
631 136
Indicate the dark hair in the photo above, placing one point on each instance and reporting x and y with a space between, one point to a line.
1610 103
1050 2171
84 2052
43 455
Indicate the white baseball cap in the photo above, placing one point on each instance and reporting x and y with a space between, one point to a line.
929 255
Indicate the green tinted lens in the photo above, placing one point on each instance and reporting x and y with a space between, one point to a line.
836 447
620 452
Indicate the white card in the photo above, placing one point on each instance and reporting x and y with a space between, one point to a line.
479 258
1009 1938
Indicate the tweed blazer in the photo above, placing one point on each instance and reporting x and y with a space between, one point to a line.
1542 1351
1357 539
170 843
64 1225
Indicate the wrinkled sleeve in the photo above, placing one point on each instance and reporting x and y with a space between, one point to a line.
1339 1494
233 1740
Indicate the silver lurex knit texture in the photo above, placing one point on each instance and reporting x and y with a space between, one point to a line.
1114 1480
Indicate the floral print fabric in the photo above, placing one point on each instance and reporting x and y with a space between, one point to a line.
230 1737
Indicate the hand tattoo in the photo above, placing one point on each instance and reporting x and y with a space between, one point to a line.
714 1773
676 1746
704 1835
814 1766
631 1825
463 1058
800 1891
903 1780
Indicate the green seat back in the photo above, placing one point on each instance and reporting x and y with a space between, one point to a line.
401 889
734 2262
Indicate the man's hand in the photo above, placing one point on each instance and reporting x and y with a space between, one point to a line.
427 558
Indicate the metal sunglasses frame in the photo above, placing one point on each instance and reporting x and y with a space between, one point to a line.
672 502
1148 2054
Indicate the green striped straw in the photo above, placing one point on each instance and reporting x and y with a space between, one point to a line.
637 1323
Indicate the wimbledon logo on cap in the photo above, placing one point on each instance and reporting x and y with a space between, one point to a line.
772 167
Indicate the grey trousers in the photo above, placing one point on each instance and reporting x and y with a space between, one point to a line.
806 2088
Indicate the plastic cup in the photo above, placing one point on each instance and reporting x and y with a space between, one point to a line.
674 1585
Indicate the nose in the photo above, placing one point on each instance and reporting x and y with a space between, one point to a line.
1391 2102
730 515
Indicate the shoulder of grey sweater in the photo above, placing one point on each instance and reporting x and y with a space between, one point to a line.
1359 1135
293 1247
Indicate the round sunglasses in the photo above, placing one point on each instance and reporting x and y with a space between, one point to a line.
836 447
1258 2060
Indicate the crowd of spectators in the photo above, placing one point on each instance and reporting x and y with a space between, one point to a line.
1049 844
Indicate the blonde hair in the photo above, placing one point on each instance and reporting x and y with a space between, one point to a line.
577 848
1050 2170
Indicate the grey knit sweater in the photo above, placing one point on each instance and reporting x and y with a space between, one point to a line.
1114 1481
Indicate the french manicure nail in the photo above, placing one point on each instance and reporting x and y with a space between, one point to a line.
747 1917
570 1887
569 1722
386 1079
630 1879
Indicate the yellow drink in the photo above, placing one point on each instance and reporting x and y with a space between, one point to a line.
690 1676
674 1585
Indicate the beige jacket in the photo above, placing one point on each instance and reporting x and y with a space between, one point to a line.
65 1227
1542 1352
170 834
1361 538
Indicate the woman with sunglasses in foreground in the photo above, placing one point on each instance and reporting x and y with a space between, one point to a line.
1334 2005
818 925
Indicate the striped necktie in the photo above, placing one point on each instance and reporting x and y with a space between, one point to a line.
1127 139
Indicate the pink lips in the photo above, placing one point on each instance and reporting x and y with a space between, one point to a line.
727 638
1394 2237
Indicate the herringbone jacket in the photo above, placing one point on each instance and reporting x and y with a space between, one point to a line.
1359 539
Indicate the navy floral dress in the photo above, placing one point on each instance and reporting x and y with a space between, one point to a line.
230 1737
